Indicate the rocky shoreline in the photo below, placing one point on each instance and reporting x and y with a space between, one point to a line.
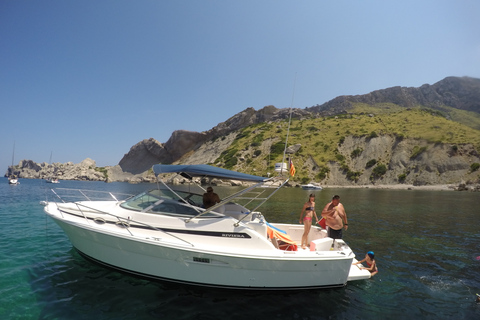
400 187
87 171
440 187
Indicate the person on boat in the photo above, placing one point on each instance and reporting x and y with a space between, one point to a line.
335 218
370 261
306 216
210 198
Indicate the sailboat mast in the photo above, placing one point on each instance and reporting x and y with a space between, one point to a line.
13 153
289 120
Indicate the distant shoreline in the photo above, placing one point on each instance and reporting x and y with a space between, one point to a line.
440 187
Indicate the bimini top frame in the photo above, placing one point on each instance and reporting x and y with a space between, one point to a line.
207 171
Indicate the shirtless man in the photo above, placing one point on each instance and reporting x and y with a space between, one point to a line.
335 218
210 198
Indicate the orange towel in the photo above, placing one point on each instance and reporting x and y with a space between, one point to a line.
291 245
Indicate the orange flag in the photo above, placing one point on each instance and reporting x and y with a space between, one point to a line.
292 168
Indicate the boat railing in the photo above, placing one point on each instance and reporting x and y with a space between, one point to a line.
227 200
121 221
73 195
264 200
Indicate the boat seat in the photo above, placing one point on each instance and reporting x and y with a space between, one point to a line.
323 244
260 227
275 243
282 245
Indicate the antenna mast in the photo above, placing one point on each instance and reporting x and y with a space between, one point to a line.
13 153
289 120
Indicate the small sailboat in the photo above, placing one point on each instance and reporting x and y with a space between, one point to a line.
51 179
12 178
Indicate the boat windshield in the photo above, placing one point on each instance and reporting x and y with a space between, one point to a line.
167 202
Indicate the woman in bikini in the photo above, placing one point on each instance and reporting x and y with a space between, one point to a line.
370 261
306 219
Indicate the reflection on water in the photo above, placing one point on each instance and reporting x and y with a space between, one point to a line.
426 244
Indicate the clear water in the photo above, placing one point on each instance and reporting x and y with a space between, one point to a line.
426 245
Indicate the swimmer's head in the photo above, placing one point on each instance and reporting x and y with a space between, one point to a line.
371 254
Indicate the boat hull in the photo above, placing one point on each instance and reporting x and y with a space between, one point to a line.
153 258
311 187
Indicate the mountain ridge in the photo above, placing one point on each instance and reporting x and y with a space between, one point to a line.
457 92
452 92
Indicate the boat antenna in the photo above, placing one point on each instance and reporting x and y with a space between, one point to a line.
289 122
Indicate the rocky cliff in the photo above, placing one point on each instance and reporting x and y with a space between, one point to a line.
148 152
409 161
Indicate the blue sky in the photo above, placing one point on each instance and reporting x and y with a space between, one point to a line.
92 78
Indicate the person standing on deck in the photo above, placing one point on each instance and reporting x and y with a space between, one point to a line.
309 209
335 218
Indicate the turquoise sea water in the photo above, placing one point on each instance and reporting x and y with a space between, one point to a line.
426 245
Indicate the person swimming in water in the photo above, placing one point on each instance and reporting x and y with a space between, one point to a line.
309 209
370 261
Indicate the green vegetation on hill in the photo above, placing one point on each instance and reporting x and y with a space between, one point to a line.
468 118
258 147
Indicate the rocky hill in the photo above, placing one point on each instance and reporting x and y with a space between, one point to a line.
359 158
83 171
445 96
334 141
148 152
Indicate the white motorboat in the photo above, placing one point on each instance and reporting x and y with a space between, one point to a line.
166 234
311 186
